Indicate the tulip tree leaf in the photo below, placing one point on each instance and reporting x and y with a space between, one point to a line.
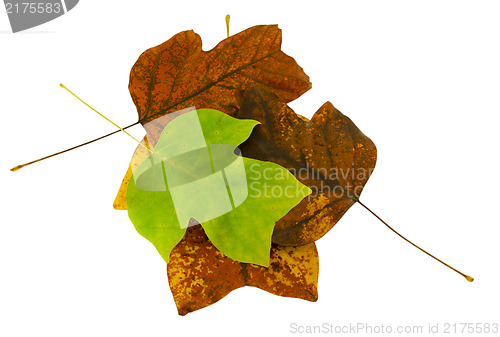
200 275
195 175
178 74
328 153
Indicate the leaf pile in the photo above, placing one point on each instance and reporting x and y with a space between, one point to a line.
247 76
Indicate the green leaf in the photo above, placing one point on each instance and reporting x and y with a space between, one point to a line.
196 174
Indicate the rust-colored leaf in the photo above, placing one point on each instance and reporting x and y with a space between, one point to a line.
200 275
178 74
329 154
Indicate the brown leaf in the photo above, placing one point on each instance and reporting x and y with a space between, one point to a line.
200 275
178 74
328 153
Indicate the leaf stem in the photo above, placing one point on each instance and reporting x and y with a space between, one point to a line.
228 17
18 167
467 277
71 148
106 118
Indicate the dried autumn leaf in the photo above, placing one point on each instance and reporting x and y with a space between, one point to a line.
200 275
179 74
329 154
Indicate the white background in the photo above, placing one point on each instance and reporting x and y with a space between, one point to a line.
421 79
